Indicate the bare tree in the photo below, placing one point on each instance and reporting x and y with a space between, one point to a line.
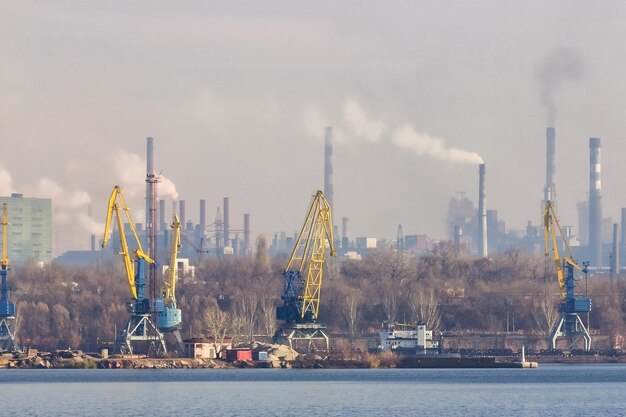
545 314
425 307
268 315
352 311
218 325
246 308
390 300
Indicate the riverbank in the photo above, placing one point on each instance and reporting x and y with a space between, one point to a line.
65 359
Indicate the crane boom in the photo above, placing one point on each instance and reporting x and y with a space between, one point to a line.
550 227
116 200
569 324
302 296
168 290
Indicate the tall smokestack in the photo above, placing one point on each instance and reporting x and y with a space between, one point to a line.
458 235
246 233
182 211
482 212
615 257
329 193
202 217
550 189
151 199
226 223
162 224
344 234
622 256
595 203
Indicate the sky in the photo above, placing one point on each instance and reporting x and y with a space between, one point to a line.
237 95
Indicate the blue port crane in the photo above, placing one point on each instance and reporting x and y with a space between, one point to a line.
169 320
7 308
303 275
141 327
569 324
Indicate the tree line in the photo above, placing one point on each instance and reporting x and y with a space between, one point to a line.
447 288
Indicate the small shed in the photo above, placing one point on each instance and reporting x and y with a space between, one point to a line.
205 348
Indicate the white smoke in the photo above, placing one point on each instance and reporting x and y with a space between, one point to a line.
6 182
90 225
130 170
423 144
61 197
358 125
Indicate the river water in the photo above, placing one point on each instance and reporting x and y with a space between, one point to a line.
551 390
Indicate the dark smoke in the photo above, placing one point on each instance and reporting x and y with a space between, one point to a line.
561 65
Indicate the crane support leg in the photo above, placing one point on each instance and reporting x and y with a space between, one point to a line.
308 337
7 338
572 327
140 329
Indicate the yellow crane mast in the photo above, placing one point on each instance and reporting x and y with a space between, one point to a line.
569 324
303 275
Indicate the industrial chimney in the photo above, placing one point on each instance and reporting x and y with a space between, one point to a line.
151 199
550 189
162 224
622 255
202 217
328 169
246 233
458 236
183 213
344 234
595 203
482 212
226 223
615 255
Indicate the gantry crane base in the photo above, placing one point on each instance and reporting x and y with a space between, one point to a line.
140 329
572 327
310 337
7 337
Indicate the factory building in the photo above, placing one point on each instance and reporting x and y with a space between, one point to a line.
29 230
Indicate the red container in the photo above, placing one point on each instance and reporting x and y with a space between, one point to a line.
238 355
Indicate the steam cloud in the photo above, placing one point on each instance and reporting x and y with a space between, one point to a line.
560 66
6 182
422 144
356 125
131 174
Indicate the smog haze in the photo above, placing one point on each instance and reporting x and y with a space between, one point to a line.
237 96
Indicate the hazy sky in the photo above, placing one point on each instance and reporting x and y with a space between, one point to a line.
237 95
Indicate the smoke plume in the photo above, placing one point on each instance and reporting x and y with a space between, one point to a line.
423 144
561 65
358 125
131 175
6 182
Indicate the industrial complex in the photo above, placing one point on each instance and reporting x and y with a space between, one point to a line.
158 258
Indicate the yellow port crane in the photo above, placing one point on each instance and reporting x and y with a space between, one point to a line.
7 307
569 324
140 327
116 204
304 273
168 289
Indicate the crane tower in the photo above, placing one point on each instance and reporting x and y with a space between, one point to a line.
140 327
569 324
302 278
7 308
